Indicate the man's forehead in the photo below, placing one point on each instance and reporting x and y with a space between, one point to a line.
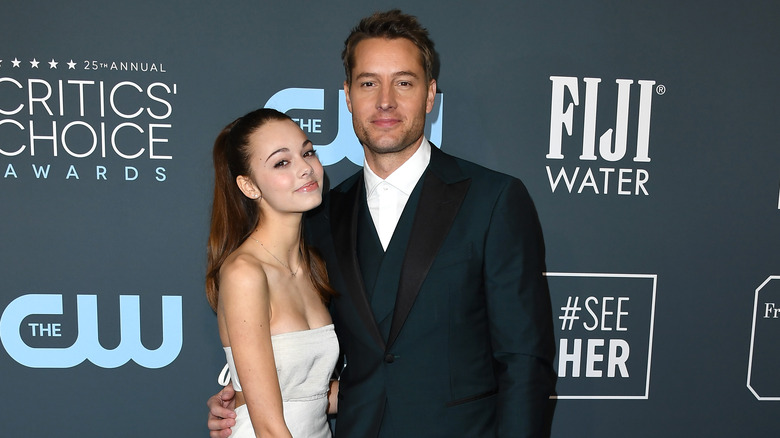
376 49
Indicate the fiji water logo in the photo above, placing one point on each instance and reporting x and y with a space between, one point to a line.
26 316
345 144
575 116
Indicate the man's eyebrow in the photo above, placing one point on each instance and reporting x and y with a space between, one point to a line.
365 75
405 73
368 75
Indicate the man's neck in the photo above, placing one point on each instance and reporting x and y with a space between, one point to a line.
383 165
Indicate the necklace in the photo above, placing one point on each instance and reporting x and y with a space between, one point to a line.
293 273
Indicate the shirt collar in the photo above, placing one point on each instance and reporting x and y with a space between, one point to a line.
404 178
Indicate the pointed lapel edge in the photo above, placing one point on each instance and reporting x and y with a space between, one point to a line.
344 217
438 206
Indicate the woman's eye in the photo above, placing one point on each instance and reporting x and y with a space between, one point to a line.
281 163
310 153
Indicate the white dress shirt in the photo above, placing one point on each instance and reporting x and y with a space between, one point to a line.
387 197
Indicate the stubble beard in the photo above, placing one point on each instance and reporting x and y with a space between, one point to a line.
375 146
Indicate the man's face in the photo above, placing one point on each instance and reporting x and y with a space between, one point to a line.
389 95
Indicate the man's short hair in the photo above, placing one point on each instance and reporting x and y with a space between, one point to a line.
392 24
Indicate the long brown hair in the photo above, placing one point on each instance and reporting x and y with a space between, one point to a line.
233 215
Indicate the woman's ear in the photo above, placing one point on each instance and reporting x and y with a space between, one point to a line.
248 187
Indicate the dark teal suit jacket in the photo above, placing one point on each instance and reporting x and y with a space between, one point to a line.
470 346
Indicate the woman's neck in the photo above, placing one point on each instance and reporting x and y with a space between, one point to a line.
281 237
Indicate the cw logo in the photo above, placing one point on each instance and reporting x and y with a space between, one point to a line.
87 345
346 144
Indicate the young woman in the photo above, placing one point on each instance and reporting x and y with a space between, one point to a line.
268 288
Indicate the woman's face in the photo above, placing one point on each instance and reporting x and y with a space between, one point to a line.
286 173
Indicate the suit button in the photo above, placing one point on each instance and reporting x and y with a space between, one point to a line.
389 358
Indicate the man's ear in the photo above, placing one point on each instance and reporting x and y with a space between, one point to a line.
431 96
346 95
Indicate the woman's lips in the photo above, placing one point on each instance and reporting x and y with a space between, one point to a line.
308 187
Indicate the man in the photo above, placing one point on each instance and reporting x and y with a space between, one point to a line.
444 316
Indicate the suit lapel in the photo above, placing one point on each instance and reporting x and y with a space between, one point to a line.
443 191
344 216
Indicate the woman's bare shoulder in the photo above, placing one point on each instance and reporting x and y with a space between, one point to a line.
242 271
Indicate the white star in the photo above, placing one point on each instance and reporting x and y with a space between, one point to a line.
71 65
34 63
53 64
1 62
16 63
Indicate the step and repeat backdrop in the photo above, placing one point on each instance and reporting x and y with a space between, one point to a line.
646 133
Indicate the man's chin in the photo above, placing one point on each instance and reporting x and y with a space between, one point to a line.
387 145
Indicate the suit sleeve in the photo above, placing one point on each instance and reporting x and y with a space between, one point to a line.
520 315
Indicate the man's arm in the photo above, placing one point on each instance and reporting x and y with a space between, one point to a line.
520 315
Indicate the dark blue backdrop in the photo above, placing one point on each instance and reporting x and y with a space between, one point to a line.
645 131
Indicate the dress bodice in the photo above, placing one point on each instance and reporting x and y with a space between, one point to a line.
304 364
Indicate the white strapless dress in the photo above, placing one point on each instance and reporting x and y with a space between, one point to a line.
304 364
